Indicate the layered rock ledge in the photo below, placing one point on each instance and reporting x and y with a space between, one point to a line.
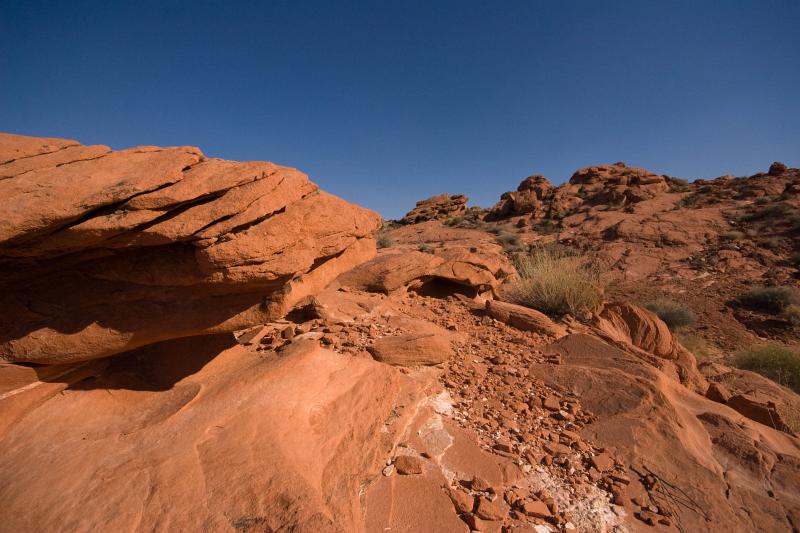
102 250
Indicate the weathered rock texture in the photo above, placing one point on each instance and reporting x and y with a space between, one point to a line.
199 434
454 260
440 207
616 185
102 251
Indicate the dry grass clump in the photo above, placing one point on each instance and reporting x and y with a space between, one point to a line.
674 314
697 345
384 241
770 299
781 365
555 281
790 415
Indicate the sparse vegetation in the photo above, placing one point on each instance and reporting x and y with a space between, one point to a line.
509 241
674 314
790 415
733 235
770 299
792 314
781 365
555 281
385 241
424 247
695 344
762 200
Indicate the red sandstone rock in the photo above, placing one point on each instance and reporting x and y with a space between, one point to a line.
407 465
107 253
412 349
440 207
524 318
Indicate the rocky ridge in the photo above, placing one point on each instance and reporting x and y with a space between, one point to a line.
362 392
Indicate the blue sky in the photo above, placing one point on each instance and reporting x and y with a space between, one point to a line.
385 103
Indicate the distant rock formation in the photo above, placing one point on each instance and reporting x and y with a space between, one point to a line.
615 185
440 207
103 251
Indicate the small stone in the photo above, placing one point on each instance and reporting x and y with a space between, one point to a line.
388 471
503 445
489 510
718 393
602 462
551 403
647 517
537 509
407 465
479 484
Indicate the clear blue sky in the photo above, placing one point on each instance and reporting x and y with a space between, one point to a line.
384 103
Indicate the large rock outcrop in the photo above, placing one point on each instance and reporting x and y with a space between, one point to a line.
103 251
201 434
432 258
614 185
439 207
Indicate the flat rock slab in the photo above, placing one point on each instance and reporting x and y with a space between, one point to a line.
524 318
412 349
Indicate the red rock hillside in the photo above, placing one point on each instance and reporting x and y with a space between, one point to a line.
194 344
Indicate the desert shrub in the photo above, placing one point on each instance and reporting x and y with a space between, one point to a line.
774 211
773 243
792 314
555 281
733 235
424 248
695 344
770 299
674 314
762 200
509 241
385 241
781 365
795 259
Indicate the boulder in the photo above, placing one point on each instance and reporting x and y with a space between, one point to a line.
440 207
391 271
464 261
530 198
524 318
630 323
412 349
106 253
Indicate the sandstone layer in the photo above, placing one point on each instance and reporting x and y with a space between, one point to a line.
102 251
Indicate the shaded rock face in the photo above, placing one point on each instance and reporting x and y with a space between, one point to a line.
615 185
102 251
456 261
439 207
531 197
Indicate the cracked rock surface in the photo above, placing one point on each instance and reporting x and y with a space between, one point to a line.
102 251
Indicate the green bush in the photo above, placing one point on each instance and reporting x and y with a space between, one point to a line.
555 281
424 247
770 299
674 315
779 364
